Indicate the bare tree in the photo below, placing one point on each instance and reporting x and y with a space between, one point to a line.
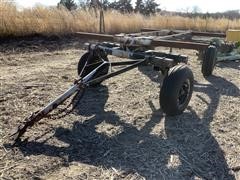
69 4
196 10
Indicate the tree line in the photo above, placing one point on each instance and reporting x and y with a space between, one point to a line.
145 7
232 14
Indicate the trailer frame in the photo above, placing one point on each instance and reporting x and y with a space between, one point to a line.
177 86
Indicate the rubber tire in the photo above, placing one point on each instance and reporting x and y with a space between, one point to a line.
171 86
102 71
209 61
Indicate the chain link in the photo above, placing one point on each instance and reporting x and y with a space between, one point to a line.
61 113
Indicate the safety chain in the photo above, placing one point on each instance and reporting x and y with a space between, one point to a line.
61 113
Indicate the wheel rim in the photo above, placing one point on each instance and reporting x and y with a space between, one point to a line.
183 94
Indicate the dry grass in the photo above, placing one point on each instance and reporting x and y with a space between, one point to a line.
54 20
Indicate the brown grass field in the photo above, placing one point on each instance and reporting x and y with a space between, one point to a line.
48 21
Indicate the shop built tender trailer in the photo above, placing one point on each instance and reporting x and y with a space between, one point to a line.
94 67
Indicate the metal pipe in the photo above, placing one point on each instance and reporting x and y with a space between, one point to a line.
36 117
95 36
180 44
177 35
194 33
124 63
87 77
164 43
60 99
107 76
115 52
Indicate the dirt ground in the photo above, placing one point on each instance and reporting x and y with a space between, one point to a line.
118 130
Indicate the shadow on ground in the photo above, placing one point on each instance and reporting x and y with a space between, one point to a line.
188 148
229 64
40 43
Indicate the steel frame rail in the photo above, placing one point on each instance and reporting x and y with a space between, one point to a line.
155 42
194 33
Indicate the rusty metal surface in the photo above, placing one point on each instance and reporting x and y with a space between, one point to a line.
209 34
95 36
183 35
164 32
194 33
164 43
180 44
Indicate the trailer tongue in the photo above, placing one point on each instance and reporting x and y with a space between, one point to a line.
38 115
